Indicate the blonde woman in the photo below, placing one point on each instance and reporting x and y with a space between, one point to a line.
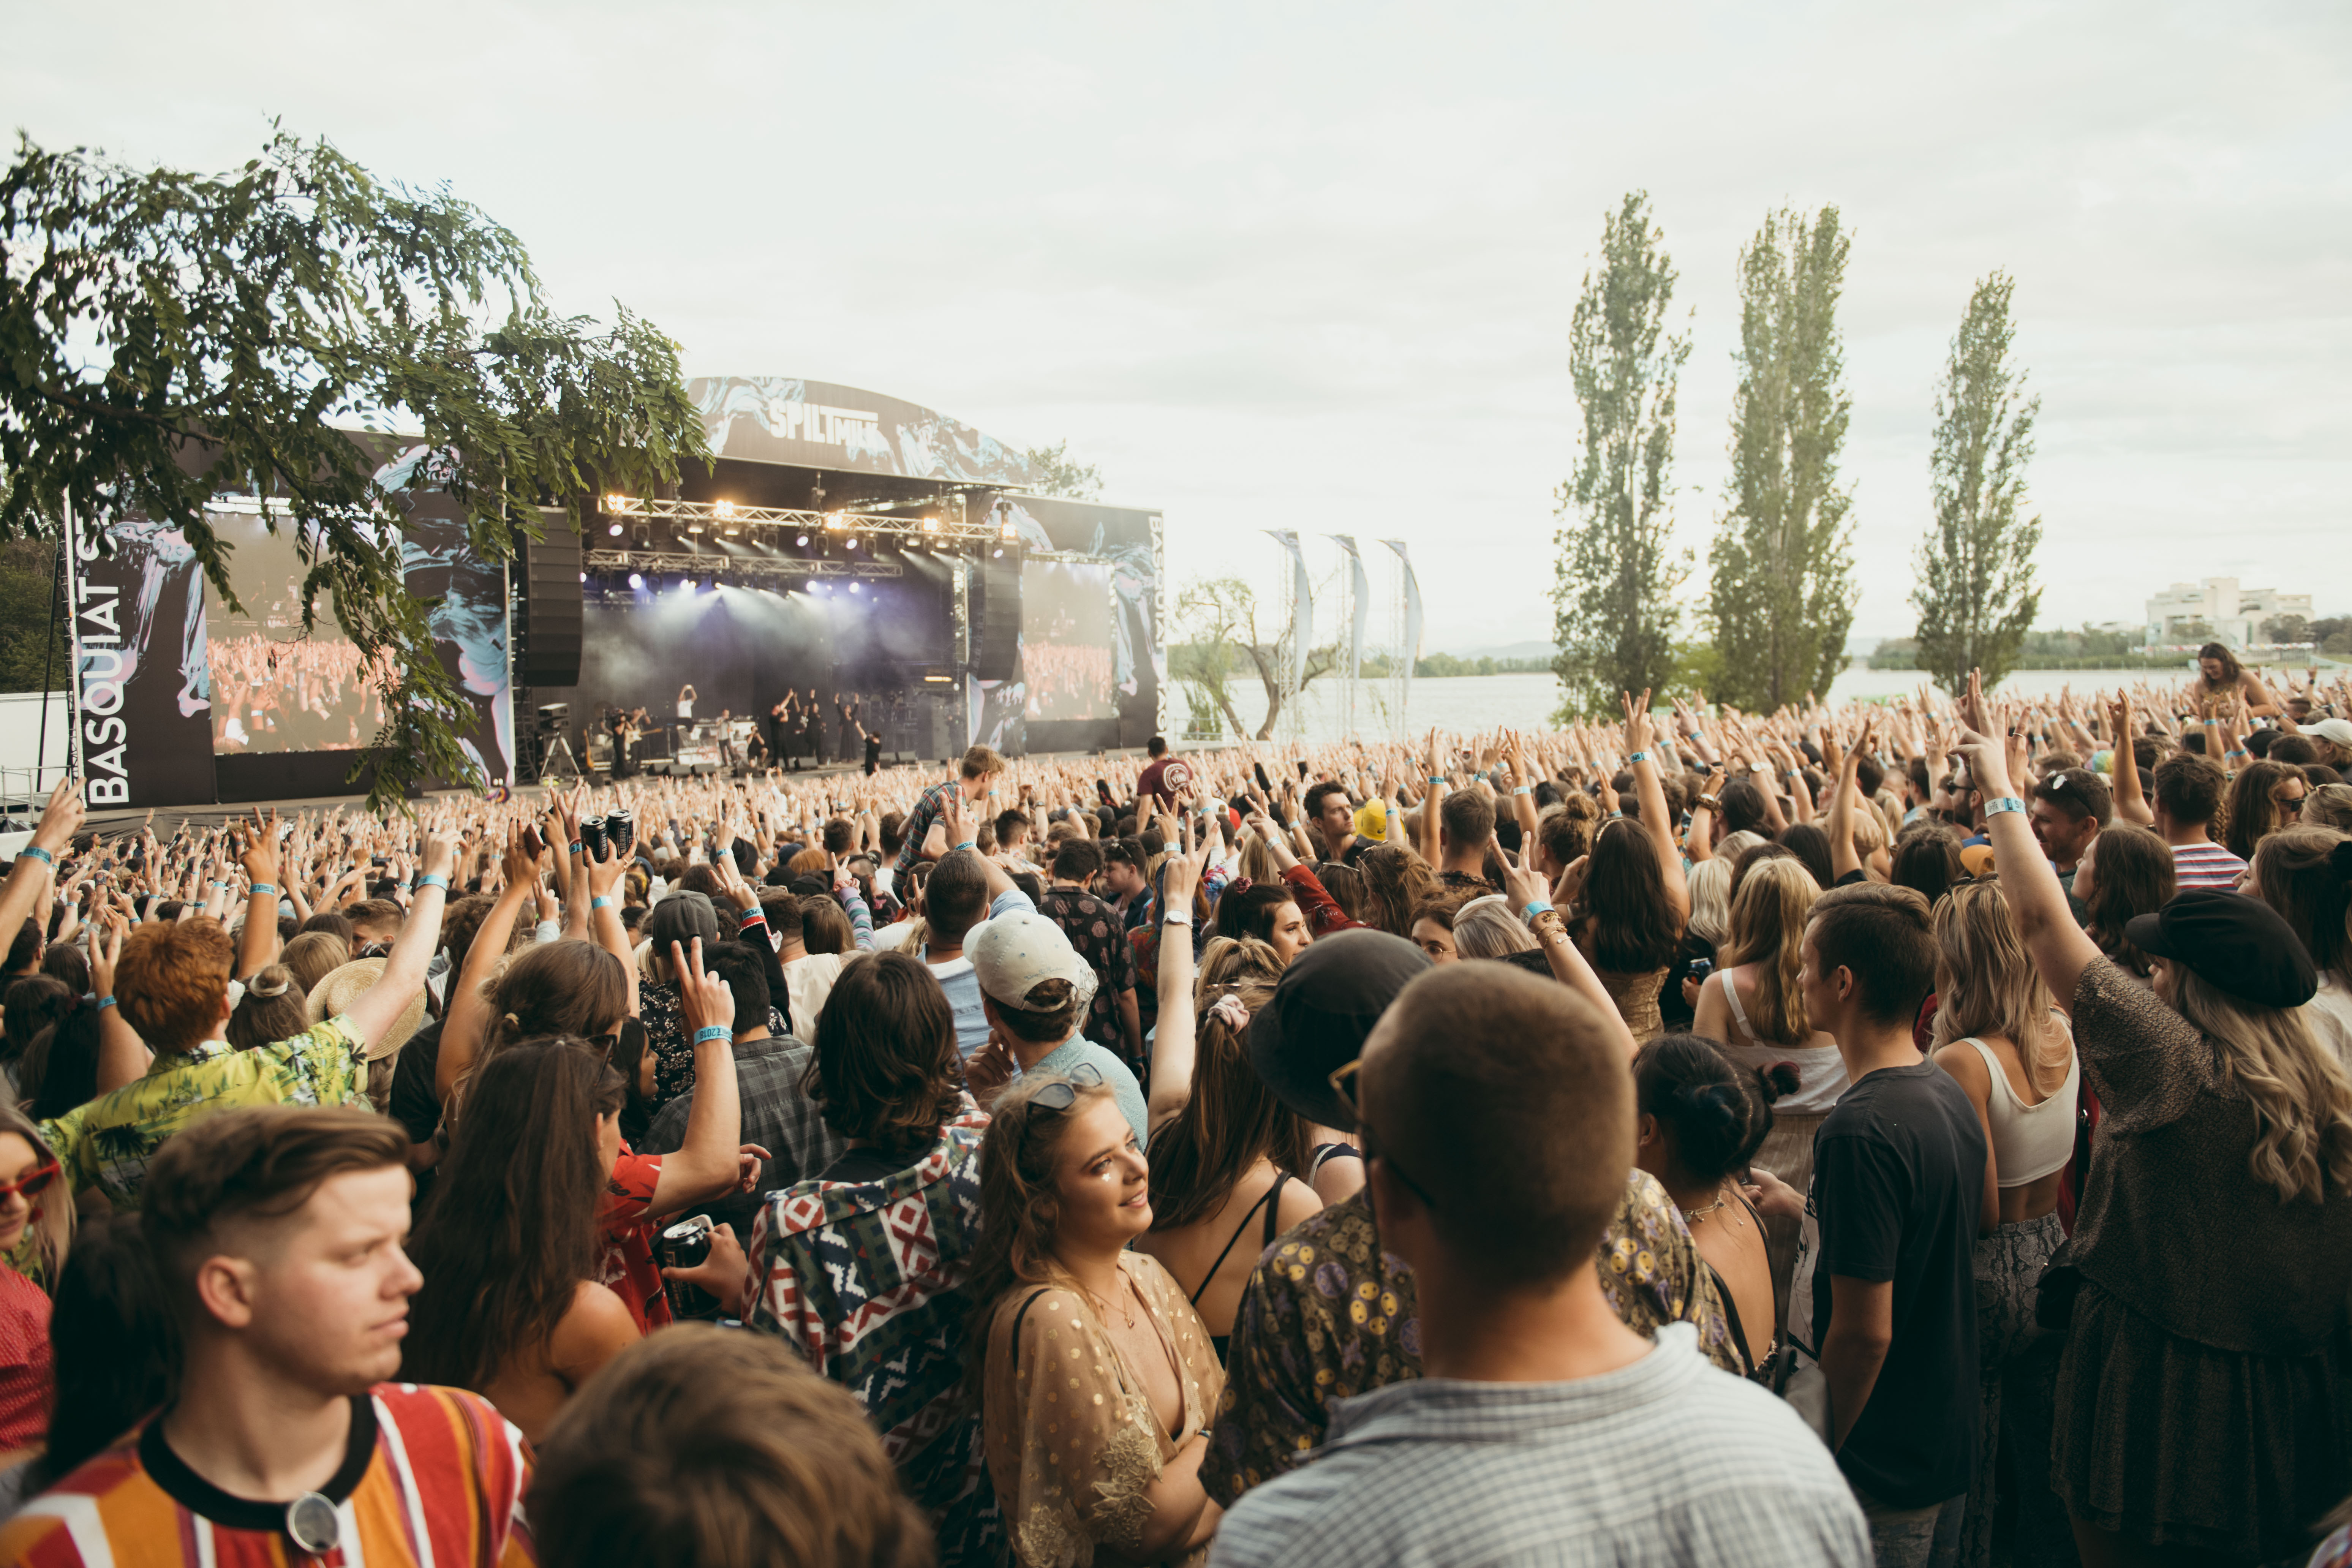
2197 1411
2003 1041
32 1198
1097 1381
1753 1006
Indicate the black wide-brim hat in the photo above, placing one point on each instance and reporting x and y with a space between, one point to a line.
1323 1009
2233 942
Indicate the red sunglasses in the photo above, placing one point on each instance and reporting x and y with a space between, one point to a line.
32 1184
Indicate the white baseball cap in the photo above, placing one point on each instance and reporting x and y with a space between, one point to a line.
1015 952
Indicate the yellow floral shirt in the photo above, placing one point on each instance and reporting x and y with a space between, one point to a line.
107 1144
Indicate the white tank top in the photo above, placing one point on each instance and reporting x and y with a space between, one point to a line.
1820 1071
2028 1142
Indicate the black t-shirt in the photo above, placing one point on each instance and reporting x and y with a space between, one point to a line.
1898 1179
416 1102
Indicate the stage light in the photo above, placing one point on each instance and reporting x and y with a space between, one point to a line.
853 543
1000 552
694 527
857 587
636 580
834 520
802 541
583 576
614 530
930 523
725 509
1011 530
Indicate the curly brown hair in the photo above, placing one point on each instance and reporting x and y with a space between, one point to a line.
1396 880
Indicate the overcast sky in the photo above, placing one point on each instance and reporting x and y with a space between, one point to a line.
1274 265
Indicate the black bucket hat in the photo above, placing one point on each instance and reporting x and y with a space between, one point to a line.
1323 1009
2232 942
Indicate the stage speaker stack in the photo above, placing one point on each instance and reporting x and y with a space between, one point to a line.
547 644
995 618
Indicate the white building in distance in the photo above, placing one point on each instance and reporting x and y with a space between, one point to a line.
2230 614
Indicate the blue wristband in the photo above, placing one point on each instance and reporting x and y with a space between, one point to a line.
1535 907
968 844
2002 803
105 1002
710 1032
1524 789
37 853
1637 757
1698 735
433 880
261 887
600 902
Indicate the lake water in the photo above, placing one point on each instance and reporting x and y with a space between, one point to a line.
1473 702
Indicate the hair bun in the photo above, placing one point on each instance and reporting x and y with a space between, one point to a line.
267 990
1776 1080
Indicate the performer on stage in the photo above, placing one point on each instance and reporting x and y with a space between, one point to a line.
872 741
812 716
686 703
625 740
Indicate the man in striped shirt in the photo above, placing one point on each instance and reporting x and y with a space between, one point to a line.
277 1236
2188 790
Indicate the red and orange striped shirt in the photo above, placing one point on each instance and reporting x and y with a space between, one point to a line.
434 1479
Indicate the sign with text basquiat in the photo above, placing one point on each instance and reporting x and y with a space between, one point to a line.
142 696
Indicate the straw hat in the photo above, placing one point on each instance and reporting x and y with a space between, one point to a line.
334 994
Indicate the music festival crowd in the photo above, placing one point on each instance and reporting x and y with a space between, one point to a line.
1907 1133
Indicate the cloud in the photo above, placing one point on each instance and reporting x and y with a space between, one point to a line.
1286 265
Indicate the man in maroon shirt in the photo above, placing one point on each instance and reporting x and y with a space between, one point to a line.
1164 777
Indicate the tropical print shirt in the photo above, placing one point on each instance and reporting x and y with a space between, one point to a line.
107 1144
1330 1315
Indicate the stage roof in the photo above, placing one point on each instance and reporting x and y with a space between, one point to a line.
844 431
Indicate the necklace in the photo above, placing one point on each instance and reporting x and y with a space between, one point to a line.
1692 1216
1127 1318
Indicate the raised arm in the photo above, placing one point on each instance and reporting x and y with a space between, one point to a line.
2131 805
1525 888
468 1019
1656 826
2060 949
708 1163
380 1006
33 871
1174 1043
1844 859
257 853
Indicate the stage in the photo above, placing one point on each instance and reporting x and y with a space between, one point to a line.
864 565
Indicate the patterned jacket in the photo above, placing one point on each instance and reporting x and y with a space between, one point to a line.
863 1279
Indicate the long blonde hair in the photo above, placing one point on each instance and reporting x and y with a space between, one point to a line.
2302 1099
1986 984
1710 902
1768 929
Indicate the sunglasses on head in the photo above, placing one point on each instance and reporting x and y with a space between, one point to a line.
32 1184
1059 1097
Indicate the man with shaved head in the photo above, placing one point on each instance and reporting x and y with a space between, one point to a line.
1496 1112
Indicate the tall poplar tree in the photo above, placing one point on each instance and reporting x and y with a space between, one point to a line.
1782 594
1976 594
1613 612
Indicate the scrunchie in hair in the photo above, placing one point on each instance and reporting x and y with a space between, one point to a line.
1228 1010
266 990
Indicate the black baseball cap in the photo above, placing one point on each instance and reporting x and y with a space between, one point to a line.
2232 942
1323 1009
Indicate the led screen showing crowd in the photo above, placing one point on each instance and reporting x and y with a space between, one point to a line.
1066 640
274 689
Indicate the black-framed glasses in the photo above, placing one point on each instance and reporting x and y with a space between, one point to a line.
2294 807
1059 1097
1342 1080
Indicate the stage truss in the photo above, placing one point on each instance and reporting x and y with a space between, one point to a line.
943 521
